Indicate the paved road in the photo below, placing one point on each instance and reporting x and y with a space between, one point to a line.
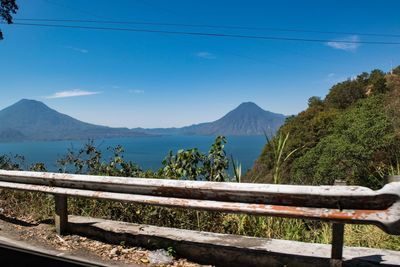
11 258
15 253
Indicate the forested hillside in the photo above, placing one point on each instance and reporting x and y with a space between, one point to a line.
352 134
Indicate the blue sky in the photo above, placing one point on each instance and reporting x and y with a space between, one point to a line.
154 80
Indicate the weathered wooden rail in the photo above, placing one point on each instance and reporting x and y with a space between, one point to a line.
337 204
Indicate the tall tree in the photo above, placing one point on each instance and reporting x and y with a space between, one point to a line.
7 8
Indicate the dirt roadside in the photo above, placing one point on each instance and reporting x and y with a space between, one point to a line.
44 235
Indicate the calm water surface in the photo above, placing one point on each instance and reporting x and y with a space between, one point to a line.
147 152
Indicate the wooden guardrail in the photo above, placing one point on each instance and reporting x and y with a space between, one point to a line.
337 204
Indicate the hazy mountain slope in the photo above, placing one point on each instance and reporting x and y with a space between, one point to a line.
246 119
33 120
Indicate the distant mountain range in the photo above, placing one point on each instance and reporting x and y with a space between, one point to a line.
33 120
246 119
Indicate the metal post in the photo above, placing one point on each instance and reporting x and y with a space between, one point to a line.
61 216
337 238
337 245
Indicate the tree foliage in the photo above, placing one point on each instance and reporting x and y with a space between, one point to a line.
185 164
89 160
7 9
362 137
377 80
191 164
344 94
392 103
10 163
348 135
315 101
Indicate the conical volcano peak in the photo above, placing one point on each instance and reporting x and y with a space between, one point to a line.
248 107
33 120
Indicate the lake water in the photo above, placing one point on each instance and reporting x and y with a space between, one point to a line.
147 152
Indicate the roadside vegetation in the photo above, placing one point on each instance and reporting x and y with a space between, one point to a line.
185 164
353 134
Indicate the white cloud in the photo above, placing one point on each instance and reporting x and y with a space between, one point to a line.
72 93
136 91
78 49
330 78
350 43
205 55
